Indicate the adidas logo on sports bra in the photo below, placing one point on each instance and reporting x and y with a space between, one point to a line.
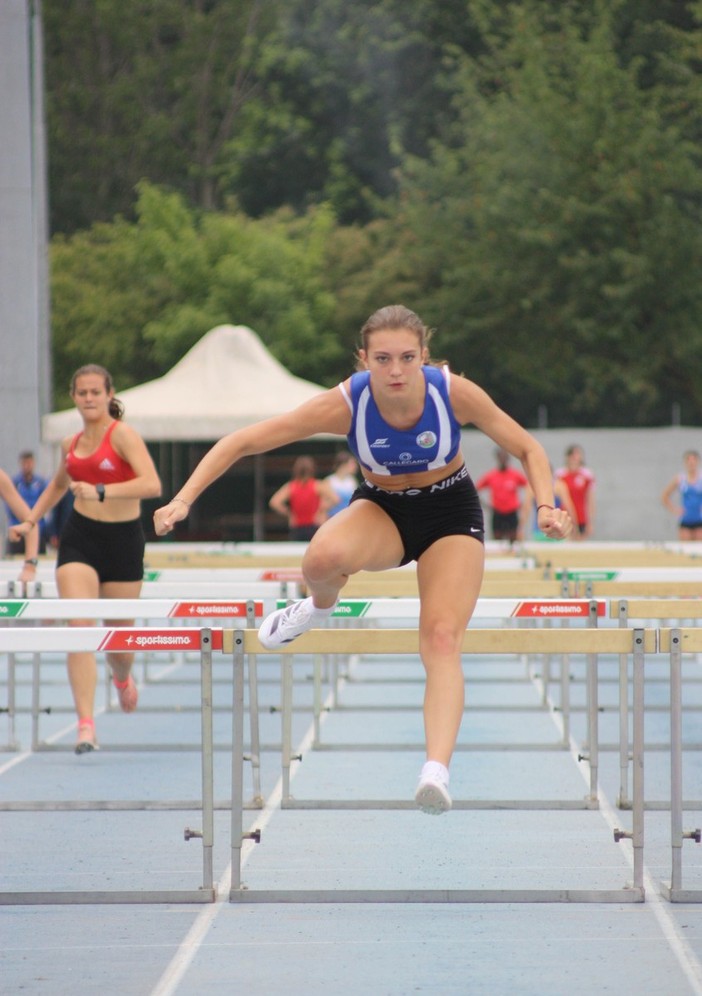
106 464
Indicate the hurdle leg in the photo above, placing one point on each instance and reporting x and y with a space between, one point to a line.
638 760
255 735
237 819
11 702
545 671
287 699
36 693
565 698
623 797
592 722
676 800
207 758
317 700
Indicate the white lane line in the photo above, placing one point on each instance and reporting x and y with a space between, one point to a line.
192 942
684 955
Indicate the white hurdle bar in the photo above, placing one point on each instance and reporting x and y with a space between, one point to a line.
488 641
212 588
93 639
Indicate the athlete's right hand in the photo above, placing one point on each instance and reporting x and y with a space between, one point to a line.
166 517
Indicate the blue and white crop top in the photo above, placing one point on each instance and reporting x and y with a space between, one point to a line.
430 444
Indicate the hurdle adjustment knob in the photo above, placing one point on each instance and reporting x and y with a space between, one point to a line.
695 835
254 835
622 835
188 834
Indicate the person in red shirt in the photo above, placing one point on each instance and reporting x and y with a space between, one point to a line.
504 483
580 482
304 500
108 470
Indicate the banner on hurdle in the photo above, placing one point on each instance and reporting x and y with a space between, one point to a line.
486 608
26 608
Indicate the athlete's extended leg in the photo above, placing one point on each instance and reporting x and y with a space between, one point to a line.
78 580
362 537
449 576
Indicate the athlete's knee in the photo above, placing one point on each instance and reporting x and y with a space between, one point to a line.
119 658
440 638
325 558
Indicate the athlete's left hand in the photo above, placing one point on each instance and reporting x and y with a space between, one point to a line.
555 523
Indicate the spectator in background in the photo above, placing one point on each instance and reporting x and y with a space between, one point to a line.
580 482
504 483
29 485
303 500
343 481
688 485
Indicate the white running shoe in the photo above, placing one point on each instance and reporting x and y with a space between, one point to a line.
432 795
285 625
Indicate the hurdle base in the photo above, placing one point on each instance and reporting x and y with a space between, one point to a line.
462 804
625 895
103 898
680 895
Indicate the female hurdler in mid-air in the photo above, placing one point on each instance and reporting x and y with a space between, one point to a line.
402 417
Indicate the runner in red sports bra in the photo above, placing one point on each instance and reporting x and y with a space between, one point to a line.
102 466
101 549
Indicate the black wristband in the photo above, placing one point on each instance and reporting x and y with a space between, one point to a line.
100 488
32 561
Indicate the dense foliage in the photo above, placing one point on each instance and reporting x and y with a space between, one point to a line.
527 175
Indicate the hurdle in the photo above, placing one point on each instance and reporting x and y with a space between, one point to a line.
598 553
525 611
77 638
658 611
176 610
488 641
677 642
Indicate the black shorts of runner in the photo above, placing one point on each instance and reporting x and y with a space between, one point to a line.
115 550
423 515
505 525
302 533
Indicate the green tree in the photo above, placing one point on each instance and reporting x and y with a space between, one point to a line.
147 90
135 296
557 228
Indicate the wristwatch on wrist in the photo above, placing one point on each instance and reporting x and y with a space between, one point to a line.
31 561
100 488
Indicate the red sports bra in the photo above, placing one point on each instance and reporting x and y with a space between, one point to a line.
104 466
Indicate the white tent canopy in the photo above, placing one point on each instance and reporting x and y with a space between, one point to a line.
228 380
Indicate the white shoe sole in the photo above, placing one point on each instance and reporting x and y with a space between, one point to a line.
433 798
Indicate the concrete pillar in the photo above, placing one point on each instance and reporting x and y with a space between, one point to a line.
25 375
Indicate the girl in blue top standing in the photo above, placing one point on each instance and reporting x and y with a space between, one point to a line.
688 485
402 418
